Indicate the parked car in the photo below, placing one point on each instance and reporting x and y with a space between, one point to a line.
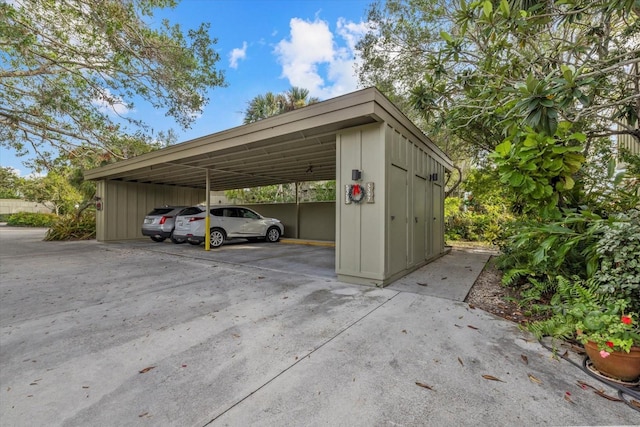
227 222
160 222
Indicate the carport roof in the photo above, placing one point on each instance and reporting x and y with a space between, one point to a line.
291 147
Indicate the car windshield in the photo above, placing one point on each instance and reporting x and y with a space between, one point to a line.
191 211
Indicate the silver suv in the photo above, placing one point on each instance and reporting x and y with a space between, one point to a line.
227 222
160 222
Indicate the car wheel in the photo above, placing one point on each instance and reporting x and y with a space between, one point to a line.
193 242
177 241
157 238
216 237
273 235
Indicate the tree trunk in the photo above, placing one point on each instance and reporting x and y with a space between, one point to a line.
452 189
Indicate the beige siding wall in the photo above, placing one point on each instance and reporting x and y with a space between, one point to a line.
415 205
380 242
360 230
317 220
126 204
10 206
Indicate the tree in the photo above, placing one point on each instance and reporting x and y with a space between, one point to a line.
312 191
10 184
56 191
480 67
263 106
71 69
544 83
297 97
270 104
282 193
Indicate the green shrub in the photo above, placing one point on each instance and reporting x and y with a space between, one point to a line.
601 254
619 252
542 251
71 227
561 323
572 301
473 223
31 219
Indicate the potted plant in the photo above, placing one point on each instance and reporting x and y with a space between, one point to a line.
611 337
600 308
610 333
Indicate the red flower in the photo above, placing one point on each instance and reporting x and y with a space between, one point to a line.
626 320
610 344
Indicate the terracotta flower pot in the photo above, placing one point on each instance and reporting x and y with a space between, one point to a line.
619 364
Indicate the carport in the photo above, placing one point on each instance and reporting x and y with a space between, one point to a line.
389 210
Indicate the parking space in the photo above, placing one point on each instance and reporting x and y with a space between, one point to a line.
288 256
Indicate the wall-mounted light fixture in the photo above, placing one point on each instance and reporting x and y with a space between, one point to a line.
356 175
433 177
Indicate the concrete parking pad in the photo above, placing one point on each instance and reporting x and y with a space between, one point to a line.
116 334
313 260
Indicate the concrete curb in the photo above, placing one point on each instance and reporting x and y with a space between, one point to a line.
308 242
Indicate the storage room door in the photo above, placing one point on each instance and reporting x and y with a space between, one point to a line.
398 220
419 219
437 209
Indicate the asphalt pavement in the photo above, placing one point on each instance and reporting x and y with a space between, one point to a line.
138 333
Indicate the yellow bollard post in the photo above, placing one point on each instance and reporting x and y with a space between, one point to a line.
207 235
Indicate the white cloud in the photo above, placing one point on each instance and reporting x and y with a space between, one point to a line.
108 103
318 60
352 32
236 55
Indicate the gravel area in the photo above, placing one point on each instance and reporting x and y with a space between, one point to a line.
489 294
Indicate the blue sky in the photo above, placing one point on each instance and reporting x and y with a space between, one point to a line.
264 45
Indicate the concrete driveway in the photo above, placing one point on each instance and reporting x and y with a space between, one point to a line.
127 334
